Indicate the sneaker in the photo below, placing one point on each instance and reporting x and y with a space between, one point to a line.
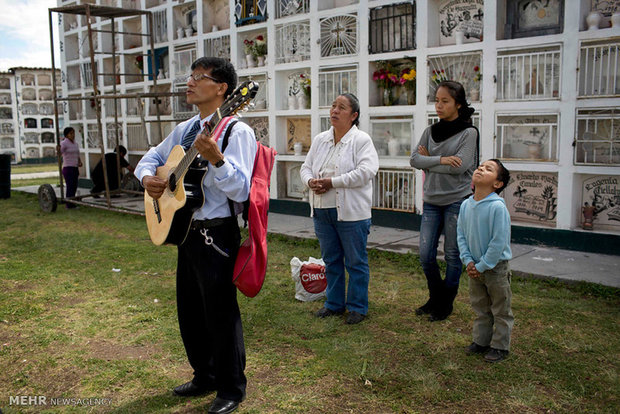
324 313
496 355
354 317
474 348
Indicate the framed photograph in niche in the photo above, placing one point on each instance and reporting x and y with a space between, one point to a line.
294 186
602 192
298 130
460 16
532 197
527 137
525 18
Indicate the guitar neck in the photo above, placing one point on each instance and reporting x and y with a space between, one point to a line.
192 152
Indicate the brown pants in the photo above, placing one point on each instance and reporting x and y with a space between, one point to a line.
490 296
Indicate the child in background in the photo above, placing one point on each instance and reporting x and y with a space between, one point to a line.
483 235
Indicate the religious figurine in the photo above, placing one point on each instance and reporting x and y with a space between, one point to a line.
588 216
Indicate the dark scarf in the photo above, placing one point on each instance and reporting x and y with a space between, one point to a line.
443 130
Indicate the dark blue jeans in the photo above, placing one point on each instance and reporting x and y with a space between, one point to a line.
435 220
71 175
343 244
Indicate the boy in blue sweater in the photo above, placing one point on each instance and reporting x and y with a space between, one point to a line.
483 236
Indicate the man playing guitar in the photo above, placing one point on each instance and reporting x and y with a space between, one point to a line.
209 317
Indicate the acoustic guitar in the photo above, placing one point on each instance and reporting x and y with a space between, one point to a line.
169 217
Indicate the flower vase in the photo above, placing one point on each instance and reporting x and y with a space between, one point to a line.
388 97
393 147
302 102
250 61
593 20
180 33
292 102
474 95
260 60
410 96
160 74
615 20
298 148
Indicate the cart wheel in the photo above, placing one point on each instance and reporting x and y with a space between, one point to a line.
130 182
47 198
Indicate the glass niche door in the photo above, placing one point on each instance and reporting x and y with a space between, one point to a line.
392 135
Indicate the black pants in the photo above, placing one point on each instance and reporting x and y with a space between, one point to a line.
209 316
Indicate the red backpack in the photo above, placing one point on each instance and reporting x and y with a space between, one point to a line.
251 263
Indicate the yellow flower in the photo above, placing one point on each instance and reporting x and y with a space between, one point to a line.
409 76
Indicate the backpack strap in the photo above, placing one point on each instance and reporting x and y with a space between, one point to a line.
231 204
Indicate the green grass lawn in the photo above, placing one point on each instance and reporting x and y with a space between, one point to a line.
33 168
88 310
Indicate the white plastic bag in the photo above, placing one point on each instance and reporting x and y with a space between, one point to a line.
309 277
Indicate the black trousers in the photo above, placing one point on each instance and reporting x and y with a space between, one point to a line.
208 312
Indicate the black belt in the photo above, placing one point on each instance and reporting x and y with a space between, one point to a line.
210 223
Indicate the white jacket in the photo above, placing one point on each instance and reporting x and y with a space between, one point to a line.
355 168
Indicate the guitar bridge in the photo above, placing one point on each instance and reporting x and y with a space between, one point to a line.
156 209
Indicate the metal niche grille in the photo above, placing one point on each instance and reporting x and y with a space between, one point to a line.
392 28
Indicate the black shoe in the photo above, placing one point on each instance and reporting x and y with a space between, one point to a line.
496 355
189 389
424 309
474 348
324 313
354 317
222 406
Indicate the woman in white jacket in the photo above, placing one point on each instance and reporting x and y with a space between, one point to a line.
339 169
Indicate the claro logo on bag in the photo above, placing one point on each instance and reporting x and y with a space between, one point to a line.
313 278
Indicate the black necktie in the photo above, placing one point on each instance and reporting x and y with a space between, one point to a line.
189 138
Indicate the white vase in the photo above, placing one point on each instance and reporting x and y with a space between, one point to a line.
180 33
615 20
393 147
302 102
260 60
298 148
292 102
593 20
250 61
459 36
474 95
188 32
215 28
160 74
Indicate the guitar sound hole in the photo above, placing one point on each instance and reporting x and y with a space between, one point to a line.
172 182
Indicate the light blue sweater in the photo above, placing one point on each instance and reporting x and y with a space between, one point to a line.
483 232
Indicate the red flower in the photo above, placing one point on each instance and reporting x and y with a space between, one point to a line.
139 58
476 68
260 37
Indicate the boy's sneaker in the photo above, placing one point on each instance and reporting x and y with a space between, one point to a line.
474 348
496 355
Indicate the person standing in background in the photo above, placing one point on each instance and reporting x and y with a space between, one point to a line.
338 170
70 151
448 154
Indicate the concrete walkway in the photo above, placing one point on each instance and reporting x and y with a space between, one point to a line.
528 260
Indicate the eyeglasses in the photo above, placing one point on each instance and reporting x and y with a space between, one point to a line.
200 76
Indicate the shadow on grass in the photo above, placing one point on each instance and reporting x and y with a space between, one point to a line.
166 402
